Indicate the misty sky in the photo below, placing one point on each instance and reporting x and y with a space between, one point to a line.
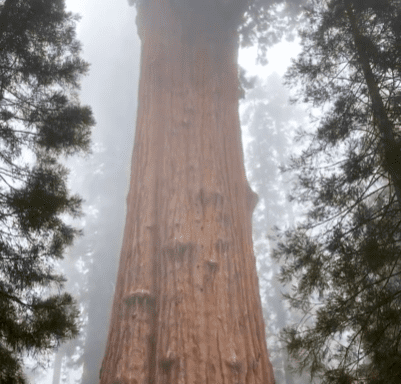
107 31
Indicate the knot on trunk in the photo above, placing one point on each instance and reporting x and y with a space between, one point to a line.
168 361
234 364
213 265
141 297
180 250
213 199
122 381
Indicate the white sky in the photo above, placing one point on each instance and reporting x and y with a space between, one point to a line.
279 58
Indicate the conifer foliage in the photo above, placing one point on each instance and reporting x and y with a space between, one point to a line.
344 259
40 120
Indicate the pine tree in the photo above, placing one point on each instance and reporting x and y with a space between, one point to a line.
344 259
40 121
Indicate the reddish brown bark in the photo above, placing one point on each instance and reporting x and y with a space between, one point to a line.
187 307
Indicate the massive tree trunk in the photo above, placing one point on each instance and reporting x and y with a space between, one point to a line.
187 307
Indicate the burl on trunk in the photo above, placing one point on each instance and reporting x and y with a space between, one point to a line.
187 307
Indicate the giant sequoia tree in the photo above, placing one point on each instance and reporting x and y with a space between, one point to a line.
187 306
40 120
345 257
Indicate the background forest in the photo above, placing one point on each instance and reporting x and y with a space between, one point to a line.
336 249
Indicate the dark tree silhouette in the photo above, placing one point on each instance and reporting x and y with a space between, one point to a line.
40 120
344 259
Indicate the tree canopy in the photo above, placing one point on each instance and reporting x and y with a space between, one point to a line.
344 258
41 120
258 22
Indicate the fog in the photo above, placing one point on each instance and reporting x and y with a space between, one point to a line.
107 31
